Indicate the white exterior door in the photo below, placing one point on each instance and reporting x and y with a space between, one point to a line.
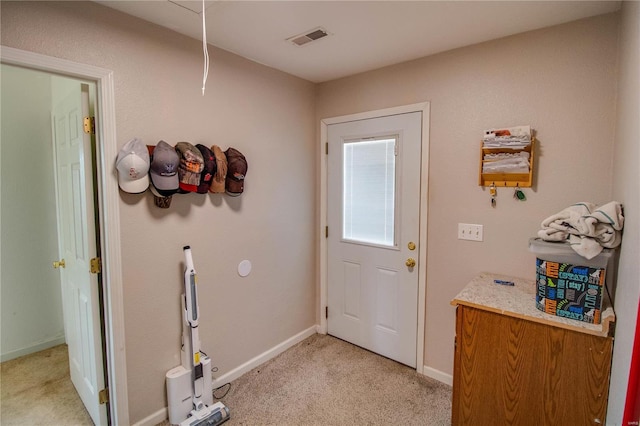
77 242
373 216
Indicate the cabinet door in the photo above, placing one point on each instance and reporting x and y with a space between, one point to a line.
510 371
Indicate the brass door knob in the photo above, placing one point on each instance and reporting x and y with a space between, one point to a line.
411 262
59 264
411 245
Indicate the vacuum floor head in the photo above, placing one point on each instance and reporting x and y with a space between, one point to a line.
214 415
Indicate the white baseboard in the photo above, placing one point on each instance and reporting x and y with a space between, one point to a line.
158 417
32 349
263 357
163 414
438 375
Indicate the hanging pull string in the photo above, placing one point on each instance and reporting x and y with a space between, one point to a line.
205 51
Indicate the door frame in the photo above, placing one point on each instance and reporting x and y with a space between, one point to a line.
424 108
109 214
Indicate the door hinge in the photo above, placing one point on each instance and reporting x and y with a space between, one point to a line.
326 311
96 265
326 148
326 232
89 125
103 396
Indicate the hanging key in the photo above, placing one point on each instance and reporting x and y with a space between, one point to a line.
494 192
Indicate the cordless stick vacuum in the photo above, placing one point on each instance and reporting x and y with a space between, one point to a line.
189 389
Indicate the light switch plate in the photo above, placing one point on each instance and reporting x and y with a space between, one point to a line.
469 231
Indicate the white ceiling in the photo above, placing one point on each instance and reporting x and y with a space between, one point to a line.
364 35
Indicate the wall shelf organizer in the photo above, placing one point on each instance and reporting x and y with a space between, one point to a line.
520 180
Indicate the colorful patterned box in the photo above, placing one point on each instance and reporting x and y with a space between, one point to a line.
569 291
569 285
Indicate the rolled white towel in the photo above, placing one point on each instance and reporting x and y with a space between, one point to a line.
550 234
609 215
586 226
568 218
607 236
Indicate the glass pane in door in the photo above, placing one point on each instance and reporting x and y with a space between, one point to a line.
369 191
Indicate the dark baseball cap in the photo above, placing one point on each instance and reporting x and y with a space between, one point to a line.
236 172
209 170
160 200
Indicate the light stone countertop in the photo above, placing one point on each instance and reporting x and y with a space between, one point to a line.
519 301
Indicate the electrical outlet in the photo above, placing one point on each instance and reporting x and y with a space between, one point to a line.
469 231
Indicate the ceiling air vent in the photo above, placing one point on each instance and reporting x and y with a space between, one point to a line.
308 37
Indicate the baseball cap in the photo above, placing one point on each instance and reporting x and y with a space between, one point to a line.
164 169
162 201
191 165
206 177
236 172
133 167
217 185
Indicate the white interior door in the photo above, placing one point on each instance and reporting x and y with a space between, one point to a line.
373 212
77 241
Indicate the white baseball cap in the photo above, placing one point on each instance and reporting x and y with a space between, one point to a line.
133 167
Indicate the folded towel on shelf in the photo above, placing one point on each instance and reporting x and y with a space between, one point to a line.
505 155
588 228
512 142
517 137
506 163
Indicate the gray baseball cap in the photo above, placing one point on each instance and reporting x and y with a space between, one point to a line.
164 169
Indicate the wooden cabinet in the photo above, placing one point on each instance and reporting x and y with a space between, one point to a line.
510 369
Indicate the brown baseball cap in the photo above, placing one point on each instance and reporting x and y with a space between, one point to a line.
217 184
236 172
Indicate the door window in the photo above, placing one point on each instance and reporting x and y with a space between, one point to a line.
369 191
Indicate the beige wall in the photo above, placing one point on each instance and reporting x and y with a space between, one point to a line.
268 116
561 81
626 189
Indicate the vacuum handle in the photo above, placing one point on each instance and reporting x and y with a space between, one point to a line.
188 258
191 293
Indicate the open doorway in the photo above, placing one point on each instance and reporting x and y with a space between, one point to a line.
107 203
48 214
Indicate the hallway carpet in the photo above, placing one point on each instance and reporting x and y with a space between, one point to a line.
326 381
36 390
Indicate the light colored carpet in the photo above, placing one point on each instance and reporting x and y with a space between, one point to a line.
326 381
36 390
